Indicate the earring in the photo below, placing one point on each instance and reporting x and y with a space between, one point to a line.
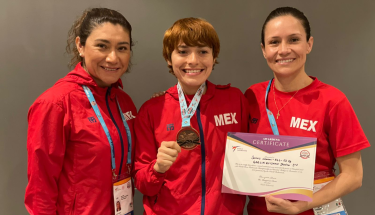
80 54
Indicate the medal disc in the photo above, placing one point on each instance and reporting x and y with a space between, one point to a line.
188 138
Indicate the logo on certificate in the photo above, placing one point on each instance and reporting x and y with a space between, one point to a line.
305 154
239 149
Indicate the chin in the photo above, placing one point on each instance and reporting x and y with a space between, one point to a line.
286 72
110 82
194 83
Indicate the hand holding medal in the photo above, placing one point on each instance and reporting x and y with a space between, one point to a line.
188 138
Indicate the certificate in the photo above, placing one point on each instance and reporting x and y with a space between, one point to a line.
260 164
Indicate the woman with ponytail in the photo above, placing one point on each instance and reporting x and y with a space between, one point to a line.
304 106
80 130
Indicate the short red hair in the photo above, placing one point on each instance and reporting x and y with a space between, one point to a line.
193 32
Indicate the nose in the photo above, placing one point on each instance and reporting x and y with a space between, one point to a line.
112 57
284 48
192 59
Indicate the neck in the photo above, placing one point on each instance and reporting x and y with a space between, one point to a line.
292 83
192 90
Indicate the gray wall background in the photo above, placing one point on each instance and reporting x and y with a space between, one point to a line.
33 39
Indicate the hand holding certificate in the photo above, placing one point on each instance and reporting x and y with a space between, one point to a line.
259 165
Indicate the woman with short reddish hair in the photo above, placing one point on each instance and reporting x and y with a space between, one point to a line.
181 135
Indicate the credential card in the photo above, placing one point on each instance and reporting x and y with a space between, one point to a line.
260 164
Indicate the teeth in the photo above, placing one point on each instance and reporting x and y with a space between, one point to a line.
192 71
285 61
109 69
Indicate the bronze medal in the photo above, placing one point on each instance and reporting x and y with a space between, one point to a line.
188 138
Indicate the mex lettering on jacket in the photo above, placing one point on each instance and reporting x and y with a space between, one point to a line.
303 124
225 119
128 115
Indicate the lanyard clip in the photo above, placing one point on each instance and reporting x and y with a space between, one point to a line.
114 174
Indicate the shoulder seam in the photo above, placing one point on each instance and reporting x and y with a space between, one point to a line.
60 99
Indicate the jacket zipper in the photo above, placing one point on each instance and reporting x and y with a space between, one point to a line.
118 130
203 152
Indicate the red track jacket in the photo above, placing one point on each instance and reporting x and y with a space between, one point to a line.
69 158
193 183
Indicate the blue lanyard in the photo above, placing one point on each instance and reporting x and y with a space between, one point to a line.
91 98
128 134
187 113
271 118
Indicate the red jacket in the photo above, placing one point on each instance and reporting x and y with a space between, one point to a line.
69 158
193 183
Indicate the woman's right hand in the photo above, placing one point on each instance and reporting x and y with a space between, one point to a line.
167 155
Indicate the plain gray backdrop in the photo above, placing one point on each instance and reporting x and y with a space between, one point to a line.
32 59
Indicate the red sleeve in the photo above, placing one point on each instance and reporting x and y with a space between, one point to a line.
147 180
46 142
345 133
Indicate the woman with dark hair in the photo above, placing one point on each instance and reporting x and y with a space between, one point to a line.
304 106
80 130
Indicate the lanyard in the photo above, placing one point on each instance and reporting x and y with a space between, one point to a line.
187 113
91 98
271 118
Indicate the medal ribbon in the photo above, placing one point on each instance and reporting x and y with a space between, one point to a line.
271 118
94 106
187 113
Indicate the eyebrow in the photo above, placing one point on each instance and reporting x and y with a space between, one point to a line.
106 41
295 35
288 36
183 46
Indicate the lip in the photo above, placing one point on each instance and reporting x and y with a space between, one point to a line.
285 60
197 71
110 69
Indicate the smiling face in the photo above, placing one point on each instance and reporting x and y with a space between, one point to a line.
285 47
106 53
192 66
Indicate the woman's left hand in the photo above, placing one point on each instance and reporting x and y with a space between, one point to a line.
284 206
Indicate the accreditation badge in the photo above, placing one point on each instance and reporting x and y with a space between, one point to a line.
123 194
336 207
